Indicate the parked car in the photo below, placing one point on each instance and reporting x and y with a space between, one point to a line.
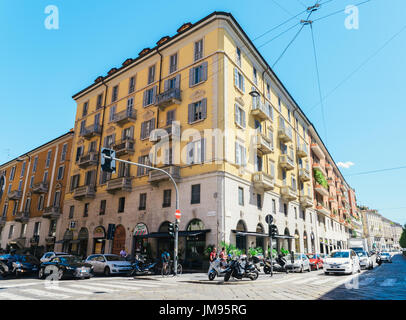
66 267
21 264
342 261
315 260
385 257
48 256
365 260
299 263
323 256
109 264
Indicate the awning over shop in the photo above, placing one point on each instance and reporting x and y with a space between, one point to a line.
166 234
256 234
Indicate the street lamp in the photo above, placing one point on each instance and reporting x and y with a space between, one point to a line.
254 94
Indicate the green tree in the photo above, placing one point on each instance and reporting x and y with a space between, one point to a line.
402 240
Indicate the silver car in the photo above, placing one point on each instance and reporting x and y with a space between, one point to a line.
365 261
109 264
300 262
48 256
385 257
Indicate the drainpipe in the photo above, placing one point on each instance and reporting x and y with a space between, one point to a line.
159 85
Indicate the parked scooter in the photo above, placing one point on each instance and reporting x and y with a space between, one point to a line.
139 267
279 264
216 270
241 268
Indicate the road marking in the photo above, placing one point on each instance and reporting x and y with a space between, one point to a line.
388 283
17 285
136 283
12 296
43 293
366 281
99 287
68 290
321 281
117 286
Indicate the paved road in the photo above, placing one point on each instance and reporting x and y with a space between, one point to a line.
385 282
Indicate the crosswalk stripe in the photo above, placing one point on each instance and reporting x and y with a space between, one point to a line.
136 283
12 296
99 287
44 293
322 281
68 290
305 281
114 286
388 282
17 285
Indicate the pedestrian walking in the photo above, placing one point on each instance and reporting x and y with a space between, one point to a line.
123 253
213 254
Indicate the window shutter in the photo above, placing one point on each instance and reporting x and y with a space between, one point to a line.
237 154
132 132
190 113
243 118
203 150
105 143
113 140
143 130
236 77
154 94
244 156
204 108
177 86
144 101
166 85
236 113
191 77
205 69
243 83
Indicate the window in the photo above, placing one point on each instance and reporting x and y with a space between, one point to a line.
151 74
273 206
45 179
173 63
255 75
20 185
279 104
198 74
48 161
143 160
82 127
12 173
295 213
123 170
143 201
112 114
89 177
27 205
23 230
114 94
11 231
99 101
167 198
121 204
15 208
240 154
5 209
259 201
34 167
104 177
240 116
149 96
238 56
74 182
197 111
64 151
240 196
268 91
289 115
37 228
239 81
195 194
40 205
61 171
198 49
285 209
32 182
109 141
86 210
52 228
71 211
146 128
170 117
57 199
131 85
23 169
85 109
195 152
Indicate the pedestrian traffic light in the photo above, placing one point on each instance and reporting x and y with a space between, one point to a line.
273 231
108 165
171 230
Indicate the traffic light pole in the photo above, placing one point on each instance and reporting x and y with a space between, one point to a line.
175 258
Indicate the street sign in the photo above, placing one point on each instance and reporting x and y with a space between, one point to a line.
108 165
178 214
269 219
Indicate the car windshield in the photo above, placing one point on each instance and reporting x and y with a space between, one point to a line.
340 254
70 259
29 259
385 254
362 254
312 256
114 258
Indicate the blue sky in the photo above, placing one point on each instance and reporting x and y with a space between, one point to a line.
41 69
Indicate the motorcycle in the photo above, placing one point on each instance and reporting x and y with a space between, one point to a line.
279 264
216 270
241 268
139 267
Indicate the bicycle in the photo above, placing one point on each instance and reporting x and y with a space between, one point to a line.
168 268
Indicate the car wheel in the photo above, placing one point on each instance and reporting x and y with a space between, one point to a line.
107 271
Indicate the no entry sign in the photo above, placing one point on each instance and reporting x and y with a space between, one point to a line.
178 214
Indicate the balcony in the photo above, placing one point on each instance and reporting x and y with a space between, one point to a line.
124 147
286 162
285 132
318 166
263 143
90 131
14 195
84 192
158 176
41 187
332 200
165 132
304 174
288 193
119 184
167 98
90 159
22 216
302 150
322 209
317 150
125 116
263 181
52 212
306 201
50 240
321 190
260 111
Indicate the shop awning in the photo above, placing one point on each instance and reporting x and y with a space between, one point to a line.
256 234
166 234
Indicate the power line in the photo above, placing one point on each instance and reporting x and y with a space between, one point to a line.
375 171
339 11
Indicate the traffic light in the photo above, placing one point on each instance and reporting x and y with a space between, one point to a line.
108 165
110 231
273 230
171 230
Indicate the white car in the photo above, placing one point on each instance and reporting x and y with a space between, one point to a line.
109 264
365 260
385 257
300 262
342 261
48 256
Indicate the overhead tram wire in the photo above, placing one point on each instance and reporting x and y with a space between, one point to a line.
340 11
375 171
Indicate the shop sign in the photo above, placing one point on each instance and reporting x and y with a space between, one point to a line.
140 230
99 232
